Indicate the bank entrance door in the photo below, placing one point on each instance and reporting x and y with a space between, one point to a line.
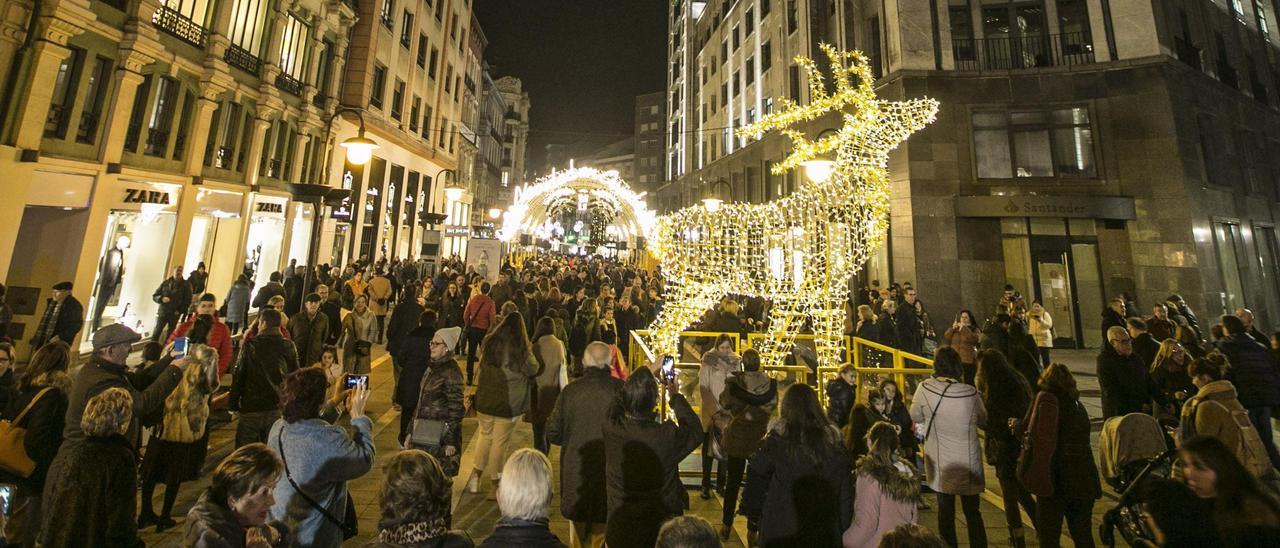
1056 261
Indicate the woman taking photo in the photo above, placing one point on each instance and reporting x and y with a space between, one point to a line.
234 512
963 336
887 492
1170 382
644 489
320 456
415 501
40 407
951 413
799 487
900 416
1215 411
359 330
717 364
1245 513
1060 472
506 367
1006 395
552 376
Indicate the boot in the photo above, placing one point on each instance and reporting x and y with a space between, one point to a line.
725 532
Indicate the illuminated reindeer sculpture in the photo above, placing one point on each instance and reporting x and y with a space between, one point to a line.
800 251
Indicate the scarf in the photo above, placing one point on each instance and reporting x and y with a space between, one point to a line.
45 330
413 532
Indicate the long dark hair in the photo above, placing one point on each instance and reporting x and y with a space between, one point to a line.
507 345
1059 381
637 399
997 381
49 360
1235 486
806 431
546 326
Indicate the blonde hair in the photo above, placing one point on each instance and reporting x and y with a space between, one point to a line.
1165 353
525 491
108 414
865 313
186 409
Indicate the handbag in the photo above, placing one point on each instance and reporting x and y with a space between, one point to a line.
1024 472
363 348
13 451
426 432
349 525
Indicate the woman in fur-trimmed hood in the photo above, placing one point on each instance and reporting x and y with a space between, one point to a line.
887 491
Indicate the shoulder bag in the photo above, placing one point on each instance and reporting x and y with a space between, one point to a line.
349 525
13 451
929 427
426 432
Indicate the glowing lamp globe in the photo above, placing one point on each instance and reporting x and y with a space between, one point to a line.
453 193
712 204
359 149
819 171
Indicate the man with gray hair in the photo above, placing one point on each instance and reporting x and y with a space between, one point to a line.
1122 376
577 426
524 498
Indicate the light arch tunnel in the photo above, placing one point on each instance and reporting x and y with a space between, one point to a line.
537 207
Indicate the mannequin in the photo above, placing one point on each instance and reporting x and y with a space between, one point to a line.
110 274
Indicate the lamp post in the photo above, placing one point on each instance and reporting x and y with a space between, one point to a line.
359 150
713 202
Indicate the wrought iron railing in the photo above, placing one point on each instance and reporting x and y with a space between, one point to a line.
240 58
289 84
320 100
131 136
180 26
273 169
1019 52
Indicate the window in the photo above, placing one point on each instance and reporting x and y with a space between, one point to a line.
64 94
397 99
751 70
414 111
440 11
873 45
764 8
724 94
724 50
435 61
1260 17
422 50
448 79
406 30
737 83
325 75
293 47
737 39
766 57
426 124
793 83
1215 151
95 93
385 13
161 118
379 86
184 125
453 28
1039 143
457 89
793 22
750 22
248 20
134 132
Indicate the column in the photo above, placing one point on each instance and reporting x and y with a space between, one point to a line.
197 141
271 60
33 106
254 158
311 77
299 156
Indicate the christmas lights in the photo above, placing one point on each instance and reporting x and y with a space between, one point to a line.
533 203
800 251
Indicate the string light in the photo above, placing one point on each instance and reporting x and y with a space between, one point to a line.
799 251
532 203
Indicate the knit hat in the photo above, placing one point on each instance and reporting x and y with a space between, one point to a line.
450 336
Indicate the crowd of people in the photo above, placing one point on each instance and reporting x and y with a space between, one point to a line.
544 341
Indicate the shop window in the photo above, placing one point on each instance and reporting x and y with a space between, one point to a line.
130 270
248 22
1027 144
265 240
160 121
64 92
1226 236
379 86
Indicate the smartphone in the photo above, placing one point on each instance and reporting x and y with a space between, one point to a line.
668 368
353 380
6 496
180 346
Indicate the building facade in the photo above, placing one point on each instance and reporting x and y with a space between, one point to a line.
617 156
138 137
650 154
515 140
1084 148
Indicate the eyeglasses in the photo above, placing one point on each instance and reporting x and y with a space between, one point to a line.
438 343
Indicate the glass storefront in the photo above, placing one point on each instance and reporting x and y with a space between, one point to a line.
134 256
300 233
266 237
215 232
1056 261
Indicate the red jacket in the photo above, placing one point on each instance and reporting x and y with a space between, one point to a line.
479 312
219 339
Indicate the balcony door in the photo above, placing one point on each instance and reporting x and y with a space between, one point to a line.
1014 35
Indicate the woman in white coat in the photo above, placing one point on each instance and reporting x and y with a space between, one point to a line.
950 413
1040 327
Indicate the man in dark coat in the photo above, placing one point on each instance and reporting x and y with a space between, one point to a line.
503 291
1176 302
199 279
1251 328
841 395
1144 345
1160 325
1113 316
174 298
1254 374
413 354
577 425
271 289
910 324
309 331
256 380
63 317
1122 376
293 291
106 369
404 318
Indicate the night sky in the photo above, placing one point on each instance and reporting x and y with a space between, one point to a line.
582 62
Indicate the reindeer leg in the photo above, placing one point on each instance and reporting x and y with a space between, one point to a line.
681 306
784 318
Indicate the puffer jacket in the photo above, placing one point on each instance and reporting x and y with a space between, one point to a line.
1252 371
440 398
260 371
750 398
798 501
1215 411
886 497
504 391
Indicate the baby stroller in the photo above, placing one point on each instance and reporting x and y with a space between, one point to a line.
1127 514
1126 445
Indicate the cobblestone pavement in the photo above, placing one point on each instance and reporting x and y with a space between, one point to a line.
477 514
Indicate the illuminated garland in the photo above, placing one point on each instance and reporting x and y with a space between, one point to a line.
529 211
800 251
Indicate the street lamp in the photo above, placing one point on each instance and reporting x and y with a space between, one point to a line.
713 202
494 213
819 170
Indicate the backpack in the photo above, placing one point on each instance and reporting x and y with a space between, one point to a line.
1249 448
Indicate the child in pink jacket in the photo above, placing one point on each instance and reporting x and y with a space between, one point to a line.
887 490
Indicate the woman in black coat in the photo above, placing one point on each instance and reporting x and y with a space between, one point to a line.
802 475
42 390
439 399
1006 394
414 355
900 416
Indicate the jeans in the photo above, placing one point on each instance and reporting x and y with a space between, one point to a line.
1044 357
254 426
1049 514
165 319
706 465
972 517
1261 419
474 336
491 445
736 466
1014 494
